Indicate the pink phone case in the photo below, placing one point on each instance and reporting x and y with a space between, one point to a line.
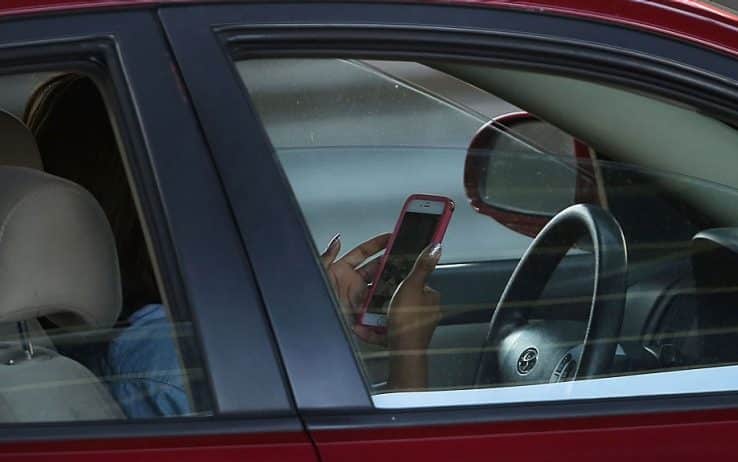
440 231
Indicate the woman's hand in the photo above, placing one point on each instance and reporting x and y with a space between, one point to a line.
350 275
415 310
414 314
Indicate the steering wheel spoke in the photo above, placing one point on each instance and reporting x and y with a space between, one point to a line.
518 350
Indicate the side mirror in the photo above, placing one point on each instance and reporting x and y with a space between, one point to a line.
521 171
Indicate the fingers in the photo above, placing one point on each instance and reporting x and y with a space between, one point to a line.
365 250
432 296
424 266
369 270
369 335
331 252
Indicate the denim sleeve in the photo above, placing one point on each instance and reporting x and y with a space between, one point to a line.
144 371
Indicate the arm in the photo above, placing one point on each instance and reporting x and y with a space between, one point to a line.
413 317
414 309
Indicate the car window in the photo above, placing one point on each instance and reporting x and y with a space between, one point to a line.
592 258
379 138
85 332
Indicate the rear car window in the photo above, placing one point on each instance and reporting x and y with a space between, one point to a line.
85 332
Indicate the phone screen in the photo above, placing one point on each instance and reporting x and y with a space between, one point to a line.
415 233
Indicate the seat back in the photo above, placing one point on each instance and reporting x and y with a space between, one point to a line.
715 259
19 149
50 387
57 259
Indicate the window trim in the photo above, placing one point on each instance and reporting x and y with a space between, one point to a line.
167 160
702 380
421 33
519 50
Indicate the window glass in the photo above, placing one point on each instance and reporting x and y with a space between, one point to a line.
85 333
625 290
326 117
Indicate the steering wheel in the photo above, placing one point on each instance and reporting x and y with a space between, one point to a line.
518 350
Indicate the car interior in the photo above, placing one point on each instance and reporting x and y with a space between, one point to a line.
647 301
631 273
65 292
626 268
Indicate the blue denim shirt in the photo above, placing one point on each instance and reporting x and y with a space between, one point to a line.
143 369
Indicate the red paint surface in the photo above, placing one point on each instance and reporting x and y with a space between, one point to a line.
688 20
282 447
673 437
476 162
586 185
694 436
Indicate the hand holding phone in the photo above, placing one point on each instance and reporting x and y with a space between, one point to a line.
423 221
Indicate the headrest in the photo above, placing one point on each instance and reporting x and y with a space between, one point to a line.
715 258
19 148
714 262
57 252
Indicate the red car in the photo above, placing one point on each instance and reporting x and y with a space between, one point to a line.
170 172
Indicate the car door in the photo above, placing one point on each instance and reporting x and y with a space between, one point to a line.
203 273
347 412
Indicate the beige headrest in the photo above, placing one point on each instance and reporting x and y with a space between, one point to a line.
57 252
18 147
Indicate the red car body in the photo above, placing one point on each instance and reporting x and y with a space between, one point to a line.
706 434
686 19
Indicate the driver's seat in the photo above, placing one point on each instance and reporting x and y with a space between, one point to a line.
58 260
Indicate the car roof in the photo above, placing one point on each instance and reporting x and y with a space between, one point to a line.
690 20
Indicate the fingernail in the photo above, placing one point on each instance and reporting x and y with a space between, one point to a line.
334 239
435 250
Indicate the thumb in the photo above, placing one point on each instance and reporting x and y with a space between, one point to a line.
331 252
424 265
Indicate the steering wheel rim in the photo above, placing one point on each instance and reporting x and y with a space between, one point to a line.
535 269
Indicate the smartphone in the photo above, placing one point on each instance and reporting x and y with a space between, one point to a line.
423 221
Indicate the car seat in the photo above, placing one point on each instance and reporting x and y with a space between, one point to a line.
18 148
58 260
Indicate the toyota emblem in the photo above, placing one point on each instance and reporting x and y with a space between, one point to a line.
527 360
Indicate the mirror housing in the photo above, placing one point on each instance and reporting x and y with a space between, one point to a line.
521 171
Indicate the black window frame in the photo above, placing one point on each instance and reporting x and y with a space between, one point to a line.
207 278
320 356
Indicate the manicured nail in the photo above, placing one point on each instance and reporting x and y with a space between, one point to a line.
334 239
435 250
